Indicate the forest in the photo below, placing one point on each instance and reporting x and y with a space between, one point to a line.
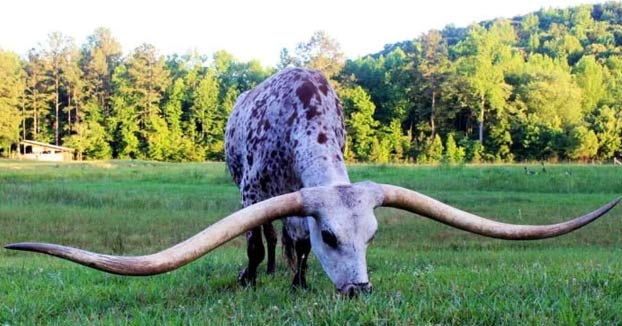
546 86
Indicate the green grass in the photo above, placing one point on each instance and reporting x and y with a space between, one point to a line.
423 272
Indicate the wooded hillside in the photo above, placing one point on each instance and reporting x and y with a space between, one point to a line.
545 86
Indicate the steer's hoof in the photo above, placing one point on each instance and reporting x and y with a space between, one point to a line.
299 282
245 279
271 270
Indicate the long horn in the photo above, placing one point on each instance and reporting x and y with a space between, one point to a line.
423 205
184 252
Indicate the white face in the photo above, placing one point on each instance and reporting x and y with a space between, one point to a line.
341 226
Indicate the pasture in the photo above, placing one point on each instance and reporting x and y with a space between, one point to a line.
423 272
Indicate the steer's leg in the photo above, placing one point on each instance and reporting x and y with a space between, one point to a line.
296 242
271 239
256 253
303 247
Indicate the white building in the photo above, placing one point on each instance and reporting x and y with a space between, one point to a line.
34 150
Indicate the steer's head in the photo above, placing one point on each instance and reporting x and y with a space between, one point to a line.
342 225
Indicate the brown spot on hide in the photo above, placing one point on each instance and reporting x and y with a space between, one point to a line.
312 112
323 84
305 92
321 138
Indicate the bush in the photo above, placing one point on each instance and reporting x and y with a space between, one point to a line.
454 154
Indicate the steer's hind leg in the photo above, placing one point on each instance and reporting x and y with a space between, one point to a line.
256 253
303 247
271 239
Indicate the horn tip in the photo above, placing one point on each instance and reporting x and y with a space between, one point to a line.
24 246
15 246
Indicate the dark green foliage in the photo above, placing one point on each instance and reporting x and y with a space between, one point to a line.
544 86
11 89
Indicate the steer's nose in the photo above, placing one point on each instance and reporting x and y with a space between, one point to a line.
354 289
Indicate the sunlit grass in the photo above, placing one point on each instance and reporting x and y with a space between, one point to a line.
423 272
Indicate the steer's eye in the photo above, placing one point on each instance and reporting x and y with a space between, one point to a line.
330 239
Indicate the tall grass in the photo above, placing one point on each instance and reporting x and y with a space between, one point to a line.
423 272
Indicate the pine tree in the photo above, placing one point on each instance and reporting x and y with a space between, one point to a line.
181 148
454 154
54 56
431 68
140 89
101 55
11 91
37 98
204 111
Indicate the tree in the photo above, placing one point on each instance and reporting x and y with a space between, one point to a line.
180 147
148 80
54 55
11 91
88 137
380 151
37 98
84 130
123 122
549 92
73 87
204 111
583 143
614 81
431 68
560 44
433 151
100 56
529 32
360 123
482 65
590 76
454 154
321 52
285 60
607 125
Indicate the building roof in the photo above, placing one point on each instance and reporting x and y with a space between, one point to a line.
38 143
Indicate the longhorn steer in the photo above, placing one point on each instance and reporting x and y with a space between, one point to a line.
284 148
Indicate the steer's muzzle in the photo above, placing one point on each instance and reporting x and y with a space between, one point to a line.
354 289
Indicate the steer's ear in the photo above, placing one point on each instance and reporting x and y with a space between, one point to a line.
374 192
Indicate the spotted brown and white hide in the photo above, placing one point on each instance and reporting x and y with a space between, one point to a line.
285 134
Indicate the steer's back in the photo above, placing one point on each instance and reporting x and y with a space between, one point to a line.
285 134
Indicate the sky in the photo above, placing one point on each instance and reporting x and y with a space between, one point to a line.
248 29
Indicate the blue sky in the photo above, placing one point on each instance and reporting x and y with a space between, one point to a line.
248 29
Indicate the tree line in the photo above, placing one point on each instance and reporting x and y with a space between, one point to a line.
544 86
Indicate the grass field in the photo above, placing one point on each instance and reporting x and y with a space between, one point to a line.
423 272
